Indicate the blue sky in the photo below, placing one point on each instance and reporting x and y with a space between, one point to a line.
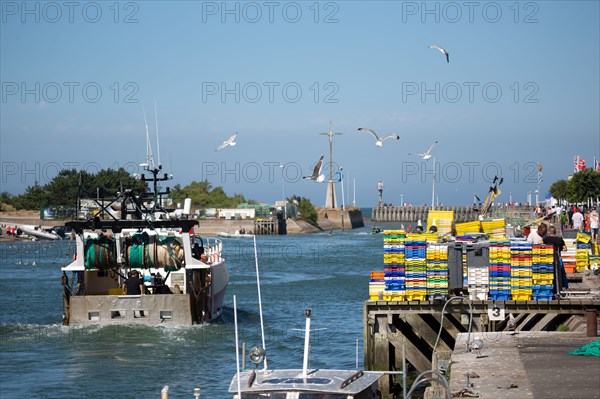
522 87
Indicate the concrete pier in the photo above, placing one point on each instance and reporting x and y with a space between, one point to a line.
338 219
526 365
390 325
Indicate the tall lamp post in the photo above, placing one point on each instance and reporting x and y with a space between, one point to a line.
433 187
343 203
282 166
330 134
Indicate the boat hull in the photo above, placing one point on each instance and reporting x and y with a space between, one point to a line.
157 309
234 235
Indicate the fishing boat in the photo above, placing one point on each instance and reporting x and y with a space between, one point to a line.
376 230
182 276
303 383
236 234
37 232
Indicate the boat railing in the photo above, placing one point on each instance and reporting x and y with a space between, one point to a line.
213 248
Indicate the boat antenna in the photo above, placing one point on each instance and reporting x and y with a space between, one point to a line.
149 156
307 313
78 206
157 142
357 354
237 350
260 312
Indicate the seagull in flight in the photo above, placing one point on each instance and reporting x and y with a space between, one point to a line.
427 154
443 51
229 142
379 141
316 175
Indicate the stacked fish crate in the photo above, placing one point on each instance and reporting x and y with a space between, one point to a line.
463 229
499 270
444 221
495 228
394 265
437 271
415 251
569 257
478 278
582 256
543 271
376 286
521 270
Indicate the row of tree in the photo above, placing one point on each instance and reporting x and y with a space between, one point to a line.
580 187
63 190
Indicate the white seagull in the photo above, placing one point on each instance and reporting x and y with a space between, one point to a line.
379 142
316 175
427 154
443 51
230 141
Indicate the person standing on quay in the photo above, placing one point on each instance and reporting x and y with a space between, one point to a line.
559 245
577 220
537 236
594 221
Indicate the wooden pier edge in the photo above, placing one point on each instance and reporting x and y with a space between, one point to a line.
387 325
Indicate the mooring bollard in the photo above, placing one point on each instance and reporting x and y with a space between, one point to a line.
592 322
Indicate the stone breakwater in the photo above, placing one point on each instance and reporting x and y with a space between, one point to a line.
416 213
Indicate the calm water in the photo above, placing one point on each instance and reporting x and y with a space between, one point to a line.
40 358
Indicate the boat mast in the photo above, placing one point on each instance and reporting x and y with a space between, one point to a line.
150 167
307 313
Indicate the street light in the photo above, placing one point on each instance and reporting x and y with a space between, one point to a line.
282 166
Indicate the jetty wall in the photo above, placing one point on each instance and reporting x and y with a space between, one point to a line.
416 213
338 219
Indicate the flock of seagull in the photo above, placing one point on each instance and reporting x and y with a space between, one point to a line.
316 175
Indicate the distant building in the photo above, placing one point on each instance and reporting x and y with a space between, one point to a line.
236 213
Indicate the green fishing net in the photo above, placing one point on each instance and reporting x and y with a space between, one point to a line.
591 349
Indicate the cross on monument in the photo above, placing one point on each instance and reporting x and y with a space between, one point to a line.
330 197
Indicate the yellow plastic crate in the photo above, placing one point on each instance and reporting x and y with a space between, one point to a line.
521 297
394 295
583 238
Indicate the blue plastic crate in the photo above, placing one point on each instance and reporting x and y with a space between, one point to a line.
500 297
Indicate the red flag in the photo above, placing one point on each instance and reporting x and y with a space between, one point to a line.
579 163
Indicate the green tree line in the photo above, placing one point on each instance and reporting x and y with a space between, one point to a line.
62 191
581 186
